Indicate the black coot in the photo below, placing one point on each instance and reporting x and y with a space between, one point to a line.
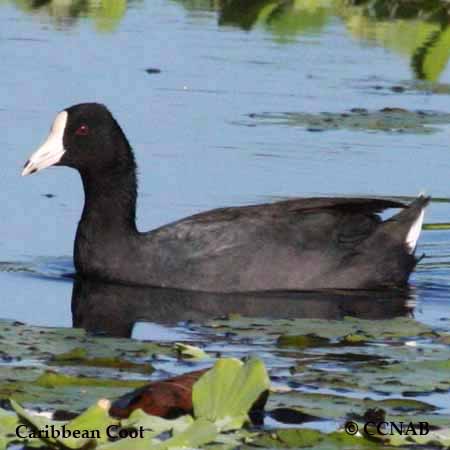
304 243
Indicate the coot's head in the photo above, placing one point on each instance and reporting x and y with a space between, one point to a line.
85 137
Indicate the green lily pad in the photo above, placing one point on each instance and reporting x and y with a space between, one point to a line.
42 343
225 394
156 425
403 378
190 351
303 340
88 428
79 357
355 339
359 119
51 379
312 439
89 367
8 425
196 435
436 226
398 361
397 328
330 406
440 438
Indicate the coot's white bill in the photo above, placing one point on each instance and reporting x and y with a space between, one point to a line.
51 151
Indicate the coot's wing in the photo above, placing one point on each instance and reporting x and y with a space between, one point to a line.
292 244
352 205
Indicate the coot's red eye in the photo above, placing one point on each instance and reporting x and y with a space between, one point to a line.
82 130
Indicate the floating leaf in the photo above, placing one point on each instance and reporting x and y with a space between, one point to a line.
164 398
433 437
76 353
8 426
305 340
51 379
357 119
313 439
79 357
330 329
128 444
190 351
37 422
225 394
355 339
195 435
199 433
328 406
156 424
436 226
91 426
96 418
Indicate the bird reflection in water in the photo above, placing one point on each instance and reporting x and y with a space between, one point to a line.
113 310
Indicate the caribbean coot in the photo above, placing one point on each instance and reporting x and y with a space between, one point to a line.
303 243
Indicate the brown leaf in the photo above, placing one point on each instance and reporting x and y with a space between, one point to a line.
169 398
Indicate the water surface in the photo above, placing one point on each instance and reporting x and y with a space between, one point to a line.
219 64
195 85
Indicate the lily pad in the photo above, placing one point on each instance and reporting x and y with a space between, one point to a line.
349 367
42 343
85 364
79 357
89 427
225 394
439 438
156 425
436 226
8 425
330 406
51 379
398 329
404 378
312 439
303 340
388 119
190 351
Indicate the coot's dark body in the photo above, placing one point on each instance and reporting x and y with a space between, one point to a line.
311 243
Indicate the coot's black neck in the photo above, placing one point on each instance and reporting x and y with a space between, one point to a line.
110 199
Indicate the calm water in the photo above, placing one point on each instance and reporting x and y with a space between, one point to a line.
195 143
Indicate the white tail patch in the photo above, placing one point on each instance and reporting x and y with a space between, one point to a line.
414 233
